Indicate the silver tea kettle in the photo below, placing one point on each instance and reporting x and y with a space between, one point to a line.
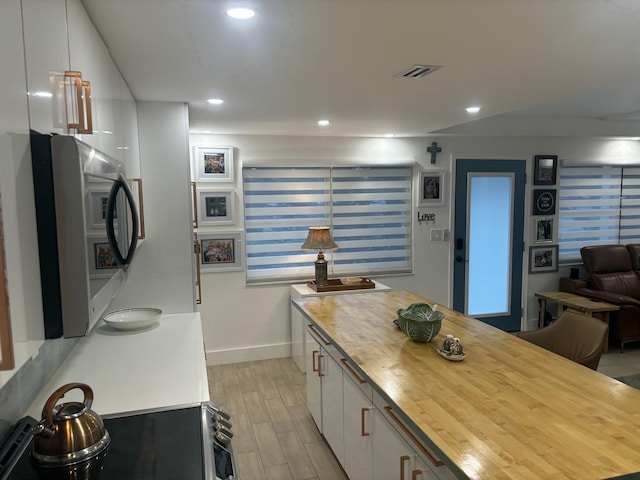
69 433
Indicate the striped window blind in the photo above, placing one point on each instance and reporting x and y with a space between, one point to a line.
598 205
367 208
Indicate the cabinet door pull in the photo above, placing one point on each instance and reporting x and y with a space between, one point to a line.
320 372
194 200
407 432
313 360
196 252
313 329
403 459
348 366
415 474
363 412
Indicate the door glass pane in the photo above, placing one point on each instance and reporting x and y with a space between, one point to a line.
489 268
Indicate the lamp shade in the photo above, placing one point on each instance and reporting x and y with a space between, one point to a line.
319 238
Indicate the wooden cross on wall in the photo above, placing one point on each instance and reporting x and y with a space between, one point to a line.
434 149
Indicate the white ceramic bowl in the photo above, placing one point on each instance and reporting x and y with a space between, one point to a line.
132 318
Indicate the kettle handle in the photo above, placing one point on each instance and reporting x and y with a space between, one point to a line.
47 410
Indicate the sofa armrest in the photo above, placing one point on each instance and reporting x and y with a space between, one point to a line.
610 297
571 285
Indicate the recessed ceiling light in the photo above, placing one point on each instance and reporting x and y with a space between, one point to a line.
241 13
215 101
472 109
389 135
323 123
42 94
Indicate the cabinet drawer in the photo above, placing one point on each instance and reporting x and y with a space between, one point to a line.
426 453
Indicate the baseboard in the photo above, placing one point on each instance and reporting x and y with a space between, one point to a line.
248 354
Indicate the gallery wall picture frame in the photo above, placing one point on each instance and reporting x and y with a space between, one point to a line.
544 229
431 188
220 252
543 259
102 262
545 169
213 164
544 201
216 207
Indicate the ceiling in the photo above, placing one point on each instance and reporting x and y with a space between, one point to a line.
536 67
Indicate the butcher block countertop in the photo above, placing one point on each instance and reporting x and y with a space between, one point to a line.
509 410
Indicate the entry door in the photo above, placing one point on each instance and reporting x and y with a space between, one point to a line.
488 241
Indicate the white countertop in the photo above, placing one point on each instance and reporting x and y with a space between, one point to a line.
161 366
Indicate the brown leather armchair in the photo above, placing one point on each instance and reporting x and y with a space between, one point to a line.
573 336
614 280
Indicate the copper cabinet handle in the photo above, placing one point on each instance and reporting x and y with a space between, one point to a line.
405 430
414 475
320 373
195 204
348 366
363 412
313 329
313 360
196 251
403 458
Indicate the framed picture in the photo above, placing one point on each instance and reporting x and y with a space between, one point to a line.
544 170
216 208
544 202
431 190
220 251
543 259
544 230
213 164
102 262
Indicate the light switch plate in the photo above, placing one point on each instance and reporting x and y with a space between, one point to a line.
436 234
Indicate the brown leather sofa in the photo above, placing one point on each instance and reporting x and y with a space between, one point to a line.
614 277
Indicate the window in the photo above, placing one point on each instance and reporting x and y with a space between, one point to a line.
598 205
367 208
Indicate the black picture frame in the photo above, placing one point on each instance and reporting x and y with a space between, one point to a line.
545 169
543 259
544 202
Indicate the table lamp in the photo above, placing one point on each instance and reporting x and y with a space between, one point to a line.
319 238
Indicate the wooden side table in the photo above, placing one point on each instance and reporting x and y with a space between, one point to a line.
584 305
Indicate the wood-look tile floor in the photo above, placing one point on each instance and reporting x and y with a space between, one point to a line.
275 437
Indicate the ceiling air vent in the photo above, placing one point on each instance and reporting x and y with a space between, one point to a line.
417 71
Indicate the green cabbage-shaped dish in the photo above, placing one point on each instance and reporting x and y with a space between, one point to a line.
419 322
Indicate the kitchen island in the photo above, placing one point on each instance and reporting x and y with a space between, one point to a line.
509 410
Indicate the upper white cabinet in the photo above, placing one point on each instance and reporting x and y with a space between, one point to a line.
60 37
46 49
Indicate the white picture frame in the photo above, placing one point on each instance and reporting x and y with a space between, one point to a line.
431 188
216 207
213 164
220 251
544 230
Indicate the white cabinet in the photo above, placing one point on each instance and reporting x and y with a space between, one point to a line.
324 374
358 426
397 454
46 49
314 392
298 323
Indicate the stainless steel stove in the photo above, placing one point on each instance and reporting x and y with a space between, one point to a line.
179 443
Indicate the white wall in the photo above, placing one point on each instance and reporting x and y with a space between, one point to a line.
161 275
244 322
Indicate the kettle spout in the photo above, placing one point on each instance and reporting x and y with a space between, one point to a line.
43 430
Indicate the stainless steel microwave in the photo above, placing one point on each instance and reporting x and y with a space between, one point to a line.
87 231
